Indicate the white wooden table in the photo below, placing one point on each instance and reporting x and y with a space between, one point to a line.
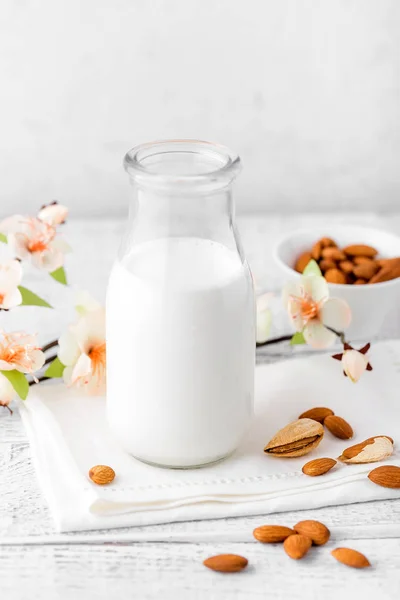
58 568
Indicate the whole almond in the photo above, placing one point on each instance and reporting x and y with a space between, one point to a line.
360 282
316 250
351 558
319 413
326 241
366 270
360 250
101 474
387 476
386 274
318 466
371 450
346 266
296 439
296 546
326 264
389 262
318 533
359 260
302 261
335 276
272 534
226 563
332 253
338 427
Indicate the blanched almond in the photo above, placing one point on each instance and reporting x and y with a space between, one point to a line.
371 450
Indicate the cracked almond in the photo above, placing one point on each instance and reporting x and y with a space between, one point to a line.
371 450
296 439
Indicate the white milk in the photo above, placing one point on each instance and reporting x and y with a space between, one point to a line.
180 351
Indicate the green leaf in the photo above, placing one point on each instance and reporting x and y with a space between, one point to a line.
18 381
312 269
60 275
31 299
297 339
3 238
55 368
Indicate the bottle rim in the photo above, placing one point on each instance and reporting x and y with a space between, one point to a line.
216 165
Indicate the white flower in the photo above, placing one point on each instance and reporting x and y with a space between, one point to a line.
354 364
10 278
83 350
264 318
19 351
31 238
312 311
53 214
7 392
85 303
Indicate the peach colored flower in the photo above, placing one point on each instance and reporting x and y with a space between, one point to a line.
82 349
31 238
7 392
10 278
53 214
19 351
312 312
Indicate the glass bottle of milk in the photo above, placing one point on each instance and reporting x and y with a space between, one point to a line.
180 310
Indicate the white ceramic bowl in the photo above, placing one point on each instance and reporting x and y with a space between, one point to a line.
369 303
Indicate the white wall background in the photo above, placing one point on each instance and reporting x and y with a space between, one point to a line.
307 91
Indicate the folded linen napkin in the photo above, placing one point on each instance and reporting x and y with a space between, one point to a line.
68 434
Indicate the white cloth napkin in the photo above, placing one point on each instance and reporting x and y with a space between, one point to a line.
69 434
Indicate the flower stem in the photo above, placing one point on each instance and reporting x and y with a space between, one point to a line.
52 344
282 338
49 359
339 334
39 379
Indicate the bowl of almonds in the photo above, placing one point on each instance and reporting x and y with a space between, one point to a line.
361 265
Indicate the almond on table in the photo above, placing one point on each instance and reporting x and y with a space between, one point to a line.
101 474
272 534
318 466
317 532
339 427
351 558
296 546
373 449
319 413
226 563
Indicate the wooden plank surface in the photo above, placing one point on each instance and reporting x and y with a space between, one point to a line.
174 570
